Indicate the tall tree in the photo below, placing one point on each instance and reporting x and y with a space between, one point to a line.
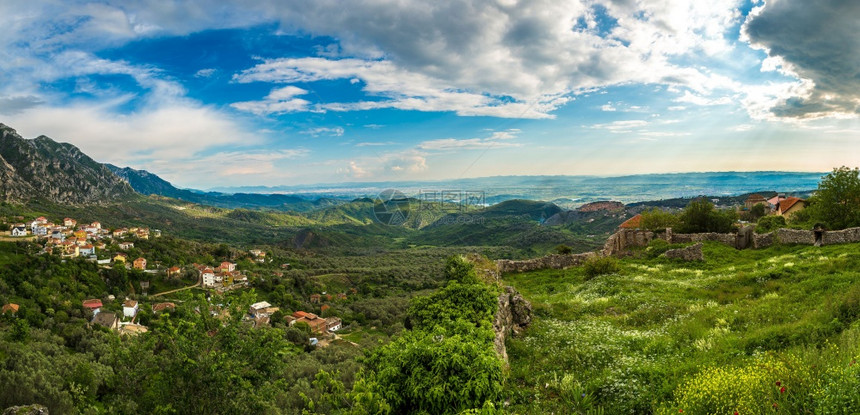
837 201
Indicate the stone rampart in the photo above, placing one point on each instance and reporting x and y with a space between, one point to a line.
844 236
763 240
795 236
554 261
730 239
690 253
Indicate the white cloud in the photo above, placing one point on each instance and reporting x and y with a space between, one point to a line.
279 101
691 98
205 73
170 132
624 126
498 139
328 131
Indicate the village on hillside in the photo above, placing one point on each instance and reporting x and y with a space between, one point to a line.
108 248
779 205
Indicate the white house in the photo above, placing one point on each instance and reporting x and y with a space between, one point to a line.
257 308
129 308
19 230
87 249
208 276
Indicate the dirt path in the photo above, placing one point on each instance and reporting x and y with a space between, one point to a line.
199 283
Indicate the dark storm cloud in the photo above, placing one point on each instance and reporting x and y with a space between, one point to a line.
819 41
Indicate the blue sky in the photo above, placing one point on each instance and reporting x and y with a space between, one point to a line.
221 93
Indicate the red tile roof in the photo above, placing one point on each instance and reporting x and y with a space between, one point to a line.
632 223
787 204
10 307
93 303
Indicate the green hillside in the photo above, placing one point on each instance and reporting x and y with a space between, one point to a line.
723 335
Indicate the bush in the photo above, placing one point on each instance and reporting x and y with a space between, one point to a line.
596 266
770 224
658 220
563 249
700 216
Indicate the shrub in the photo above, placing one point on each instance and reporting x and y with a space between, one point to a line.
657 220
563 249
700 216
761 386
596 266
770 224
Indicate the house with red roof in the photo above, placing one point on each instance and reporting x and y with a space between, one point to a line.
790 206
316 323
140 263
93 304
10 308
632 223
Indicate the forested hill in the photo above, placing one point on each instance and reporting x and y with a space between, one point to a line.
42 168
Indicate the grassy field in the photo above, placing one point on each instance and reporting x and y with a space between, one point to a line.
755 331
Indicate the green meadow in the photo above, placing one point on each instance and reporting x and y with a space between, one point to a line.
747 332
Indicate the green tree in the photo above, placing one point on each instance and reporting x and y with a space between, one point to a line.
437 373
656 219
701 216
757 211
457 268
838 198
770 223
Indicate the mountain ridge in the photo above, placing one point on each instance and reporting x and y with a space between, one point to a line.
43 168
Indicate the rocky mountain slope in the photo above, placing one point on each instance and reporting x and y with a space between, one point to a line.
42 168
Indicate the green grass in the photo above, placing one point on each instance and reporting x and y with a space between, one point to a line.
630 341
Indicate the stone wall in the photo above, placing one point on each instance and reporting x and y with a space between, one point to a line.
625 239
844 236
730 239
554 261
795 236
690 253
512 317
763 240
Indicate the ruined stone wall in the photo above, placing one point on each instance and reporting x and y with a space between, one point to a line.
690 253
844 236
554 261
625 239
512 317
730 239
795 236
763 240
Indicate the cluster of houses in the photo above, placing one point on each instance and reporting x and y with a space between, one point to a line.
223 275
318 325
71 240
778 205
123 323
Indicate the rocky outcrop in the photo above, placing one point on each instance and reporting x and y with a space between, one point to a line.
554 261
690 253
513 315
34 409
42 168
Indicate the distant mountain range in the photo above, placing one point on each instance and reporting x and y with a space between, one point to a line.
567 191
60 172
